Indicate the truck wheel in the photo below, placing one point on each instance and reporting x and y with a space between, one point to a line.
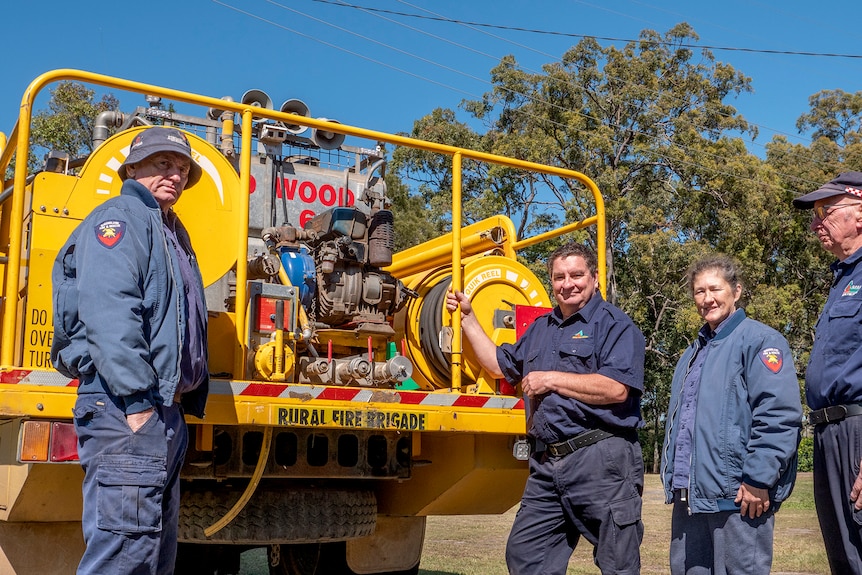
316 559
285 515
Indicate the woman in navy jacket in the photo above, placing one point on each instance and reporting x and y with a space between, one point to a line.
731 434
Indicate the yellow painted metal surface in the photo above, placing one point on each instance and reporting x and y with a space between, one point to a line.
463 474
494 234
494 284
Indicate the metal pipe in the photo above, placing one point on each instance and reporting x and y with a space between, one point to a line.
104 121
16 228
8 191
457 272
492 233
242 248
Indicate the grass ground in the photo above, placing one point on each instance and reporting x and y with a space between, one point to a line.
474 545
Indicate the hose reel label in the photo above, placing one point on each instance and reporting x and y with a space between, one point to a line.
352 418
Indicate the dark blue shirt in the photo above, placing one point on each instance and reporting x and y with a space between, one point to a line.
834 374
688 406
599 338
193 364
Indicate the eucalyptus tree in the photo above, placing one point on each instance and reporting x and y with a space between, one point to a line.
650 123
66 125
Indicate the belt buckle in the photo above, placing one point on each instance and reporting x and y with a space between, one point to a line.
560 449
835 413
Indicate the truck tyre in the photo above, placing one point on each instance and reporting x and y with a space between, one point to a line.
316 559
286 515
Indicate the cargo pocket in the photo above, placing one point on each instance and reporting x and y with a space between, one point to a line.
130 491
626 511
619 552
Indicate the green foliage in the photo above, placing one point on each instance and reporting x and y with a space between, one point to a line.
806 455
412 224
835 115
67 124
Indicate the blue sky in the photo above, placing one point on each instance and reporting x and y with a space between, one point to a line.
382 71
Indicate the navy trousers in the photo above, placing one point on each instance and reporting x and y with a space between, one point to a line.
131 487
594 492
837 450
723 543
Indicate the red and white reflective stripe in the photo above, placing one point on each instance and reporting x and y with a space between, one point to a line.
28 377
241 389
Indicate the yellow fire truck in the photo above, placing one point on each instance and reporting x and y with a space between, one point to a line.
343 410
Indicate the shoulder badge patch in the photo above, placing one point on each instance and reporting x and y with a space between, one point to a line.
772 359
110 232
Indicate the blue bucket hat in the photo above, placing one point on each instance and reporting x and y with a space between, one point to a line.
157 139
847 183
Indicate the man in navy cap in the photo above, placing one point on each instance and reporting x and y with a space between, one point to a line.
130 325
833 380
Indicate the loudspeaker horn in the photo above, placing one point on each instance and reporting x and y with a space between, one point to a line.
257 99
325 139
216 113
299 108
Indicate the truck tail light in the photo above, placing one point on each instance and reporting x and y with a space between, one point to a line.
48 441
64 442
35 437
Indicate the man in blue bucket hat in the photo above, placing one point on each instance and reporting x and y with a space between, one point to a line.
130 325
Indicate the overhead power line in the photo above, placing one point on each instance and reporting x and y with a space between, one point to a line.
571 35
416 75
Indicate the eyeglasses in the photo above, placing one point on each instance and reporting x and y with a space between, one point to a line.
823 212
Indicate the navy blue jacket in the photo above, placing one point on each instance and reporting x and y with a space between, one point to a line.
119 312
747 421
834 374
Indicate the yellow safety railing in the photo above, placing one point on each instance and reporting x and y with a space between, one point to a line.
19 142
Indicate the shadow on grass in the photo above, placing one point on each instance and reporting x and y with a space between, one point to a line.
426 572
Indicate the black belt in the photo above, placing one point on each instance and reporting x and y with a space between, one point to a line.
834 413
579 441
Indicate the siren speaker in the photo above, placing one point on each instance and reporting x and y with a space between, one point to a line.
216 113
325 139
257 99
299 108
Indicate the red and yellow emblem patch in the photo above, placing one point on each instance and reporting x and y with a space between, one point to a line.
110 232
772 359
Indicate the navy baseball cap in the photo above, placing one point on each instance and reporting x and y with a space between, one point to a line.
157 139
849 183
